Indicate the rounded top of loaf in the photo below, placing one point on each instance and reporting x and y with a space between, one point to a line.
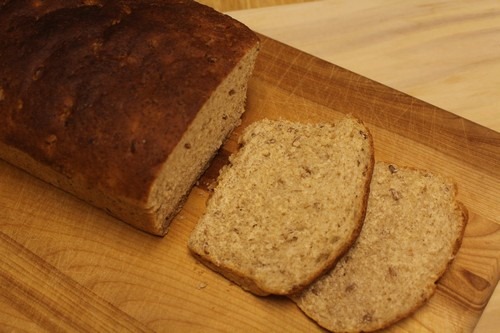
110 83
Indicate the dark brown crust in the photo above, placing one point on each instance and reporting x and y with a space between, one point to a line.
88 87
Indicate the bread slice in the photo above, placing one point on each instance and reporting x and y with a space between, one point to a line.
412 230
289 204
125 103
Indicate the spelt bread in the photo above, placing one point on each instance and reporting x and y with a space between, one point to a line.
122 103
289 204
412 230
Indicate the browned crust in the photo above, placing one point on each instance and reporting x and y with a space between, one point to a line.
91 86
95 95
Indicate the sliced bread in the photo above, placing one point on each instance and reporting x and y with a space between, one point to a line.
412 230
290 203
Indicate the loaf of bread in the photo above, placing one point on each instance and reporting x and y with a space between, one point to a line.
122 103
290 203
412 230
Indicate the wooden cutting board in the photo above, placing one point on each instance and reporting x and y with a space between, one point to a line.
65 265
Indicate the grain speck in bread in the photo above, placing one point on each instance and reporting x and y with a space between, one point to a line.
412 230
289 204
122 103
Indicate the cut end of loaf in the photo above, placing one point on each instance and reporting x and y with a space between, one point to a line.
125 103
289 204
206 134
412 230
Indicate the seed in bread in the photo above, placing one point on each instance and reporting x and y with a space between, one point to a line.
412 230
122 103
289 204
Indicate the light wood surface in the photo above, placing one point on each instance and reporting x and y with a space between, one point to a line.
80 256
225 5
446 53
62 255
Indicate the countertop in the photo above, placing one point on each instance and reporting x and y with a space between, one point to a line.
72 267
444 52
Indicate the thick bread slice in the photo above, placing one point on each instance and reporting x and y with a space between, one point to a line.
412 230
122 103
291 202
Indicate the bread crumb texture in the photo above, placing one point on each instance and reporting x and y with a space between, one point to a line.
289 204
412 230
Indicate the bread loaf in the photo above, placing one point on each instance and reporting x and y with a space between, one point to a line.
412 230
289 204
122 103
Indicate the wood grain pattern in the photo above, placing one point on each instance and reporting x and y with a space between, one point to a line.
119 271
444 52
225 6
43 295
